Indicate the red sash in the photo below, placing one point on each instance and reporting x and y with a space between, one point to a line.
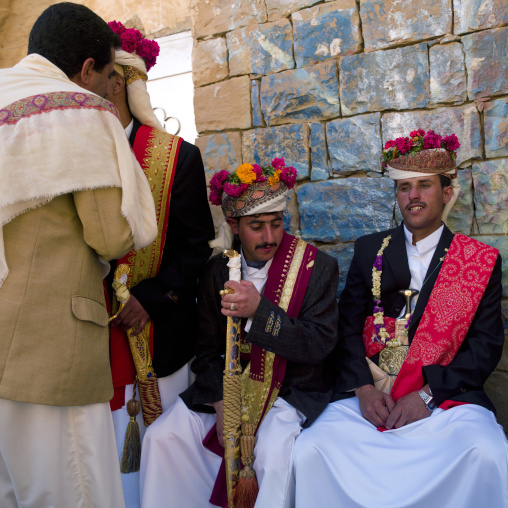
157 154
449 312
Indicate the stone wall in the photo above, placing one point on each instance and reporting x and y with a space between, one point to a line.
154 17
326 84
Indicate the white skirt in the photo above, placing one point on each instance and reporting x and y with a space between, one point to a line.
454 459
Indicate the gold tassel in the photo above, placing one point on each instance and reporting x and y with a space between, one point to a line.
246 490
131 454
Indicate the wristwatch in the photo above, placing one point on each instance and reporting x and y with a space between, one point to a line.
428 399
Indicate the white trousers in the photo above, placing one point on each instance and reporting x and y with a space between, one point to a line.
58 457
454 459
177 471
169 388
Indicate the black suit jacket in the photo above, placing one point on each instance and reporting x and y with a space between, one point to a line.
463 378
186 251
304 341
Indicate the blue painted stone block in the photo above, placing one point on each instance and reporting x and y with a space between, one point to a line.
491 196
470 15
487 62
308 94
344 209
390 22
447 73
496 129
257 116
355 143
462 121
320 164
290 142
261 49
326 31
460 219
343 253
393 79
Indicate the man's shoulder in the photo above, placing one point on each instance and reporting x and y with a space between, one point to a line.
375 238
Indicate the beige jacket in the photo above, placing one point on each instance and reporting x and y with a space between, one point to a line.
53 320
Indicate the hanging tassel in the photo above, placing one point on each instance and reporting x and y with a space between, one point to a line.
131 454
246 490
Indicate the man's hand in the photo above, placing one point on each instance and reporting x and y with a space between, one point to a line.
133 314
245 299
219 410
408 409
375 405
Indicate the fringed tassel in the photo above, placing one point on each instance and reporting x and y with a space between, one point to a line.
131 454
246 490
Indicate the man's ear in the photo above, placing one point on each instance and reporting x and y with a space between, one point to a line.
118 83
447 194
86 71
234 225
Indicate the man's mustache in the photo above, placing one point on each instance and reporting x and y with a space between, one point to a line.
266 245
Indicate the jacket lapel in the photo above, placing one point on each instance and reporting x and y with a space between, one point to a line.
395 264
430 279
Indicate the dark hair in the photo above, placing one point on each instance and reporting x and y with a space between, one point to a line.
67 34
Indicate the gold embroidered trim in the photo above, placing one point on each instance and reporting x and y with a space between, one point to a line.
132 74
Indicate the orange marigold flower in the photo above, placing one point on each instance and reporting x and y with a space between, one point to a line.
246 174
272 180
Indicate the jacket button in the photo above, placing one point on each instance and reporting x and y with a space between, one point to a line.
398 308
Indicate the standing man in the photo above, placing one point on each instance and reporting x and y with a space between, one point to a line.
72 198
286 300
432 438
163 283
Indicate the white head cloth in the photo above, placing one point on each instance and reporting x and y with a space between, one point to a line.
398 174
224 238
137 93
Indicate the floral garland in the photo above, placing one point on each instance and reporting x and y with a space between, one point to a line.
134 42
237 182
417 141
380 333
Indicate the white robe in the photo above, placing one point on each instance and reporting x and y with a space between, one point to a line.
456 458
177 471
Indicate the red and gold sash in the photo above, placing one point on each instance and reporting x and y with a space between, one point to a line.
157 153
449 312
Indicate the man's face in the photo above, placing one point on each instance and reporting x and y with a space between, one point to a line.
260 235
100 81
421 202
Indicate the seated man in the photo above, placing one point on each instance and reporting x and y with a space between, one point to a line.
286 300
431 439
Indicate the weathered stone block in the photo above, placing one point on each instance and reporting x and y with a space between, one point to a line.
470 15
299 95
337 210
501 244
447 73
389 22
355 143
224 105
290 142
257 115
463 121
343 253
261 49
487 62
491 196
209 61
277 9
218 16
496 387
220 151
291 214
460 219
320 164
496 129
393 79
325 31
